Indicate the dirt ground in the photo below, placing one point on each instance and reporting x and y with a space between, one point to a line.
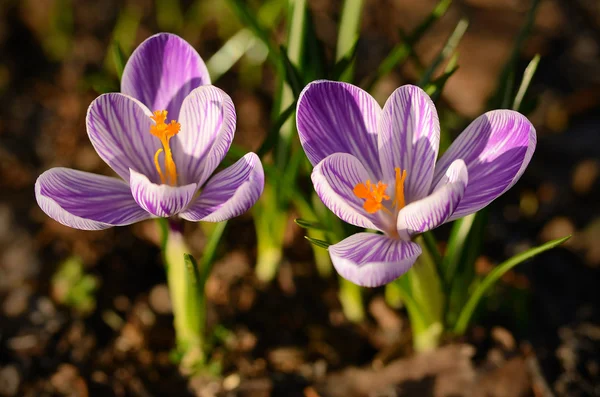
540 334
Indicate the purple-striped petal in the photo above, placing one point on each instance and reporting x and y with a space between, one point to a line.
86 201
119 128
496 148
334 179
207 128
433 210
229 193
160 200
372 260
162 71
334 117
409 137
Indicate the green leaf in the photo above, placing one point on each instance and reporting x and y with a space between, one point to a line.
292 74
309 224
348 33
446 51
119 58
527 77
461 284
431 244
403 50
467 312
344 63
247 17
273 134
210 251
456 244
504 94
318 243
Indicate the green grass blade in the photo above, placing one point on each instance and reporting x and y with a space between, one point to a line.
292 75
246 16
303 223
456 245
504 94
231 52
467 312
348 34
403 50
273 135
119 58
210 252
446 51
318 243
527 77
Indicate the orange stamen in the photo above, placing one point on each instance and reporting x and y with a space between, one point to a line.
372 194
165 132
399 201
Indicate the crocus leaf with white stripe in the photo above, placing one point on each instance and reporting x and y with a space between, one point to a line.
164 136
376 168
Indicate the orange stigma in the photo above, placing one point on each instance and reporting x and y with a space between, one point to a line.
165 132
374 194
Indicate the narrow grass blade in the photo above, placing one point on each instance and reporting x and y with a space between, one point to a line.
527 77
292 74
230 53
119 58
467 312
446 51
456 245
273 135
246 16
403 50
303 223
504 95
318 243
210 252
348 34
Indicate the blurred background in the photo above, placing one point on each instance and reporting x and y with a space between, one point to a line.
88 313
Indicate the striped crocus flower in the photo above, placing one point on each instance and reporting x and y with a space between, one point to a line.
164 165
376 168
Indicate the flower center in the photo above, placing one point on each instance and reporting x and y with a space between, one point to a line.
165 132
374 194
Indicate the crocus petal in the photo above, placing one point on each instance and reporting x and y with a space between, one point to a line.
433 210
496 148
207 128
409 137
119 128
229 193
162 71
334 179
334 117
371 260
160 200
86 201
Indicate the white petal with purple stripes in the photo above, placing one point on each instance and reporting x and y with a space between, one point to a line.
162 71
119 128
409 137
372 260
229 193
334 117
334 179
496 148
433 210
159 199
208 122
86 201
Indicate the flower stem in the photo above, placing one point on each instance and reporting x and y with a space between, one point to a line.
187 297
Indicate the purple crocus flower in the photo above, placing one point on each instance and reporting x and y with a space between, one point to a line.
164 166
376 168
